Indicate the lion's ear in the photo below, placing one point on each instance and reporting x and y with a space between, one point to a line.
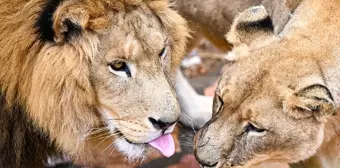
311 101
63 21
72 19
251 24
69 23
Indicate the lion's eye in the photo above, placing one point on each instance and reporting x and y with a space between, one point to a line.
120 68
251 128
163 52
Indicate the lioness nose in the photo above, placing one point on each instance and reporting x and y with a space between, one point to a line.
204 164
160 125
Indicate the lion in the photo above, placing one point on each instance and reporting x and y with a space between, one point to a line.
71 70
279 101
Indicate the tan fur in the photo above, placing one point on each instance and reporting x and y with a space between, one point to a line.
213 18
244 41
64 86
288 90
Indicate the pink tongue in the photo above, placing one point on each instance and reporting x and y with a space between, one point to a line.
164 144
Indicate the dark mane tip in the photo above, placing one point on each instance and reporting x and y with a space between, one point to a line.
44 22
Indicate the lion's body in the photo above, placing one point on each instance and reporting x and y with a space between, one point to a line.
57 83
277 103
22 143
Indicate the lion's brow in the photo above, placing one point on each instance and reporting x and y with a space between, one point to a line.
130 47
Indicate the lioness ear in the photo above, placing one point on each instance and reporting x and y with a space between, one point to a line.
249 25
292 4
312 101
61 21
280 11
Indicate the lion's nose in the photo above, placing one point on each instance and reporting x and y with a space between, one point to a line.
160 125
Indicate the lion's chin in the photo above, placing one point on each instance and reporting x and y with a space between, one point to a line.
132 151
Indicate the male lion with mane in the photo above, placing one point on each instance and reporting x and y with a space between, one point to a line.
72 69
277 102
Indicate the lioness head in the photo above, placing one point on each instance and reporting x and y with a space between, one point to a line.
106 65
272 105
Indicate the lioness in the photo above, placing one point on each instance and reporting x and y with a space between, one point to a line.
277 103
74 71
213 18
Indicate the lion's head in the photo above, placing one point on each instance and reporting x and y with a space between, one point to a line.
96 65
272 104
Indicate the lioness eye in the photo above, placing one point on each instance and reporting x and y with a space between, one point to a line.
163 52
120 68
251 128
217 105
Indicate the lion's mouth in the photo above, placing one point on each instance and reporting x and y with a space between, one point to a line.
215 165
121 135
164 143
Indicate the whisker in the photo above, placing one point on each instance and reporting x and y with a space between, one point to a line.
190 121
99 136
101 142
113 149
179 124
96 132
113 119
108 146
